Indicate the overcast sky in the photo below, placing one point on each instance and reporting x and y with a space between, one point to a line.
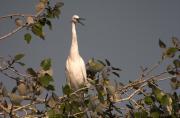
126 32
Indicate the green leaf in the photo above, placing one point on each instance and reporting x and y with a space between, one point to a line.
59 4
56 12
158 93
114 68
4 91
142 114
129 106
170 69
175 42
42 21
46 64
108 62
53 114
116 74
148 100
177 63
175 83
45 80
175 97
37 29
95 66
166 100
155 115
101 62
18 57
162 44
87 102
170 52
50 87
101 97
111 89
20 63
49 13
48 22
66 89
137 114
31 72
27 38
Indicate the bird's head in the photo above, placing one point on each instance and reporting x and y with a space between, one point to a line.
77 19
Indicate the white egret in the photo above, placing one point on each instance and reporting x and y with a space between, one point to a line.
75 66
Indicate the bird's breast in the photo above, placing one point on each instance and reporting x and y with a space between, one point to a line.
74 71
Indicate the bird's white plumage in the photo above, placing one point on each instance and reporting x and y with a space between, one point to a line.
75 66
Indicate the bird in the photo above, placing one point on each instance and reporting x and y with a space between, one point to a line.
75 66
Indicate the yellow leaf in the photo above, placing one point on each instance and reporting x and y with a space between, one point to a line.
43 72
18 22
30 20
40 6
44 1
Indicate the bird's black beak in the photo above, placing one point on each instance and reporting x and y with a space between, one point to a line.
80 21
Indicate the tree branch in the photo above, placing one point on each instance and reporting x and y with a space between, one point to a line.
12 32
7 110
130 96
16 14
20 27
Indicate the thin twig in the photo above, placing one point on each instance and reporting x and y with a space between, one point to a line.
141 81
130 96
8 111
12 32
20 27
78 113
145 83
20 74
152 68
139 106
11 77
25 106
4 109
16 14
74 93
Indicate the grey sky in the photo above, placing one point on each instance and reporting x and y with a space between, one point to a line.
124 31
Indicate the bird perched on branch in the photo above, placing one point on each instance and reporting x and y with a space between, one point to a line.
75 66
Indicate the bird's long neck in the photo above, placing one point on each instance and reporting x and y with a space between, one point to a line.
74 44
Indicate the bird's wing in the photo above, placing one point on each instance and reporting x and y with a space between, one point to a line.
83 69
67 74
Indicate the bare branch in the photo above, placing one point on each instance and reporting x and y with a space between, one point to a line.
78 113
25 106
141 81
4 108
7 110
20 74
20 27
11 77
15 15
74 93
130 96
153 68
12 32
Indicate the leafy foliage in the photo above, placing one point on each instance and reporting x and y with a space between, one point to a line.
106 97
162 44
27 38
18 57
36 23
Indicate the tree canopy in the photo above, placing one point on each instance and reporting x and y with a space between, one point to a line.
34 94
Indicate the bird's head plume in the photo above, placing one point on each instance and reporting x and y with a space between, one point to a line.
77 19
